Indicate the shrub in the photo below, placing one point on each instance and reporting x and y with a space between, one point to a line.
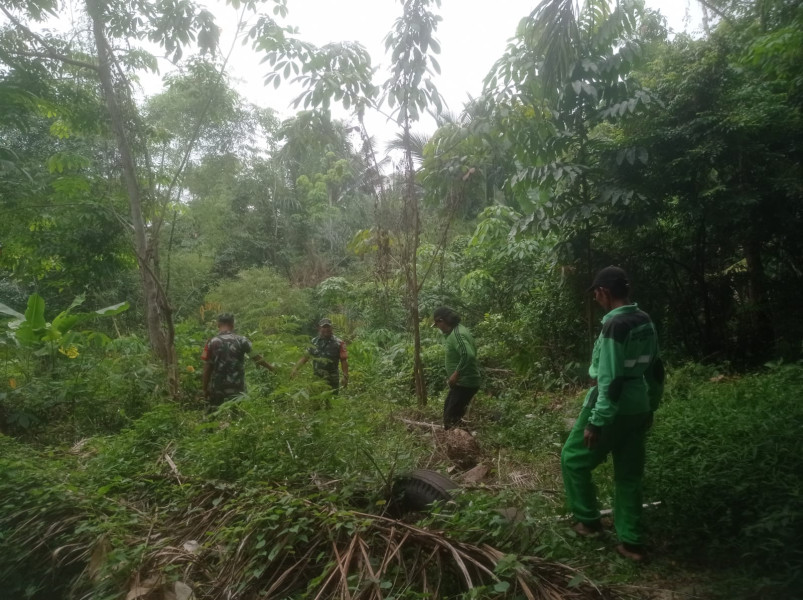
542 343
726 461
261 300
190 279
99 389
42 541
292 438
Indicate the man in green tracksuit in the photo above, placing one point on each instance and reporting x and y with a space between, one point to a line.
461 365
616 414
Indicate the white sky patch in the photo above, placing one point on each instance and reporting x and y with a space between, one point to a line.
473 34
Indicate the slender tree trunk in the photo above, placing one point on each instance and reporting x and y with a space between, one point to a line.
591 326
382 237
711 344
762 334
585 197
706 19
158 315
411 267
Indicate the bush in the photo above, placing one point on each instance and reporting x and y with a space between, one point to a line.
726 461
99 389
291 437
542 343
261 300
42 538
190 279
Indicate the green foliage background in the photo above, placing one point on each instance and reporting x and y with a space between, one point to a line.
599 139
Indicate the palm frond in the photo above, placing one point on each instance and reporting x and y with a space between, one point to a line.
352 555
417 143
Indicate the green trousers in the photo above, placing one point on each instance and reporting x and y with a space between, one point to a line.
625 440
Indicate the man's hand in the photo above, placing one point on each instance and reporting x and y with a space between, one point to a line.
258 359
452 381
344 381
301 361
590 438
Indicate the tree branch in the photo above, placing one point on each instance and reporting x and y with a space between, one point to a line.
197 129
59 57
51 51
442 244
717 12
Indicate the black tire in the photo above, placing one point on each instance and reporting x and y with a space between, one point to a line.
417 490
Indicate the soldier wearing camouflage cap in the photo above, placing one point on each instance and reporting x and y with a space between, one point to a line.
327 352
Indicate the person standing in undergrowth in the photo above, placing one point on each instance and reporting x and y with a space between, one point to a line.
327 351
224 363
616 414
461 365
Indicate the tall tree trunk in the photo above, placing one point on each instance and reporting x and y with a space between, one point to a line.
411 266
711 343
592 329
380 196
706 19
761 335
158 314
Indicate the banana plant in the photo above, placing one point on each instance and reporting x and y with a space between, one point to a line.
31 330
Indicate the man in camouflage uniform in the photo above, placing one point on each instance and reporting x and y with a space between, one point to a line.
224 363
326 352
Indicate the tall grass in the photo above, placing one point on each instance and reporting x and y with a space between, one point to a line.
726 460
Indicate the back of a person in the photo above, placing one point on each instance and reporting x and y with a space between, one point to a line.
616 415
460 345
228 351
634 330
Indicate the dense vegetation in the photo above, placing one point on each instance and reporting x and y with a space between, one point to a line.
130 223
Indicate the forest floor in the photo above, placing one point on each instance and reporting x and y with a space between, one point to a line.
478 463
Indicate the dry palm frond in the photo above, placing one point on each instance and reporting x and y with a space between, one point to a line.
328 554
230 542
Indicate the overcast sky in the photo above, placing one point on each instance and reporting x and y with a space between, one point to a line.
473 35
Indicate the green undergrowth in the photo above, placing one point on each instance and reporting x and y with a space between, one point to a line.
102 386
150 508
726 460
283 490
290 439
48 522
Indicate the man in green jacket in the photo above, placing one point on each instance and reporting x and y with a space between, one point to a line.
461 365
616 414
